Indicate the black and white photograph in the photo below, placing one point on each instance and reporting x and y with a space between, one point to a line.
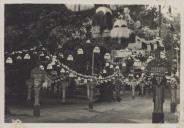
92 63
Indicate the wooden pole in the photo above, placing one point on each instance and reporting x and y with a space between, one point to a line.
133 92
88 92
63 93
91 98
36 109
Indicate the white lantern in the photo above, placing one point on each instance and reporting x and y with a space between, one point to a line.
124 64
62 70
88 41
9 60
106 64
104 71
47 57
71 75
70 58
96 50
80 51
107 56
41 67
42 54
27 57
142 68
100 77
85 81
79 79
49 66
117 67
111 66
19 58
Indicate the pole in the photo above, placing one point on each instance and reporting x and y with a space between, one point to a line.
92 72
63 93
133 91
36 109
88 91
91 97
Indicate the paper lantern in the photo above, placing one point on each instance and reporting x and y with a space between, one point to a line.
70 58
117 67
79 7
20 52
27 57
79 79
96 50
42 54
88 41
106 64
107 56
42 67
126 10
49 66
80 51
104 71
111 66
9 60
47 57
35 52
100 77
120 29
124 64
19 58
85 81
142 68
71 75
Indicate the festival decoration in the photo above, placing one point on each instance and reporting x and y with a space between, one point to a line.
70 58
80 51
19 58
27 57
9 60
120 29
103 18
79 7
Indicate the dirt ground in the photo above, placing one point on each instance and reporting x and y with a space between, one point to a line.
128 110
